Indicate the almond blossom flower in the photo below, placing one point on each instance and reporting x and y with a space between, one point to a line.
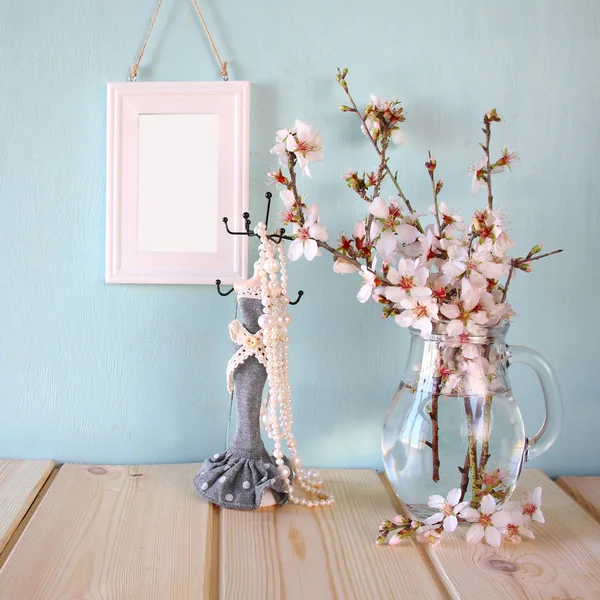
386 227
487 224
410 279
479 266
529 505
418 314
306 145
428 534
464 317
487 522
517 529
368 284
306 236
508 159
478 171
447 220
449 507
388 111
302 142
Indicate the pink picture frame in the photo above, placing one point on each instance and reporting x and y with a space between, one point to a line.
177 163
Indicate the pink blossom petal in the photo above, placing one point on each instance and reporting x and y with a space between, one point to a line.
470 299
450 523
387 243
343 267
538 516
312 216
460 507
393 275
433 519
475 533
291 144
432 310
406 319
364 293
470 514
318 231
408 303
526 533
376 229
493 270
395 294
420 292
453 496
488 505
493 537
407 233
424 325
379 208
288 197
296 250
450 310
502 519
359 230
436 501
455 328
310 249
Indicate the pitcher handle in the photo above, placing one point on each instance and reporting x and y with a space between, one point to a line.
546 436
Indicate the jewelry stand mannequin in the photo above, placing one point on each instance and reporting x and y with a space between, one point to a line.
245 476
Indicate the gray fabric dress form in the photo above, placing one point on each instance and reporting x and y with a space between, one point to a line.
238 477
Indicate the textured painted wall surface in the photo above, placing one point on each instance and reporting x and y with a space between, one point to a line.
124 374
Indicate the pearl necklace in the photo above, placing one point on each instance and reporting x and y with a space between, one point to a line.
278 419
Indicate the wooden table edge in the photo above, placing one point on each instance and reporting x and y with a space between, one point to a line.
34 500
564 483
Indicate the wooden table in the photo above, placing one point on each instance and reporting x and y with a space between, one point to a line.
141 533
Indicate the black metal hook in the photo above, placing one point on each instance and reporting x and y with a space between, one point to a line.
268 196
281 235
275 237
247 225
218 283
300 294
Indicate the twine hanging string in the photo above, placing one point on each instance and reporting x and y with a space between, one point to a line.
222 64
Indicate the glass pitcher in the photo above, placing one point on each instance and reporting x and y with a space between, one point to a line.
454 422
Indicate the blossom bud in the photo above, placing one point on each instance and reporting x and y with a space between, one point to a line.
431 164
492 116
536 249
438 186
344 108
526 267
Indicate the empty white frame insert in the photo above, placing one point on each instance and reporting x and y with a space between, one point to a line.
177 163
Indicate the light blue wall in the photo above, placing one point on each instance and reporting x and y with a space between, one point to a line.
126 374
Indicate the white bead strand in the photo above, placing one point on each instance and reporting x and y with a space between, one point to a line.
278 419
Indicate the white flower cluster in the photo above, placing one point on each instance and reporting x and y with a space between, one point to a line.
512 522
